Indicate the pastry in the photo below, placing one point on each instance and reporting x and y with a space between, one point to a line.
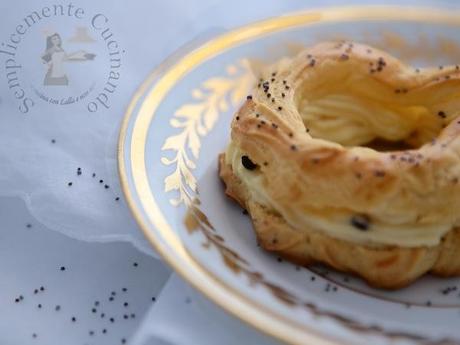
346 156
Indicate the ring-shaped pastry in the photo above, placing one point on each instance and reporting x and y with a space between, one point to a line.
346 156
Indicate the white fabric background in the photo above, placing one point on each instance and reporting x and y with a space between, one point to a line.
31 256
182 317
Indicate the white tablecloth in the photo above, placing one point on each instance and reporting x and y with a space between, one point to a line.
57 289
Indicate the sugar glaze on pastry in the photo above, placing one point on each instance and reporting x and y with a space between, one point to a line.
344 154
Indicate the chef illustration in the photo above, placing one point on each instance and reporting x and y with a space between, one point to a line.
55 57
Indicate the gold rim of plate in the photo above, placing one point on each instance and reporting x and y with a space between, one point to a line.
165 240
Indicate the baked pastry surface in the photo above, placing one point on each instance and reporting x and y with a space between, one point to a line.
346 156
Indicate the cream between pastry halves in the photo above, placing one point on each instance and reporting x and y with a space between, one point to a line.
346 156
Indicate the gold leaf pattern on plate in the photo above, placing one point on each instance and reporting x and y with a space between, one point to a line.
214 96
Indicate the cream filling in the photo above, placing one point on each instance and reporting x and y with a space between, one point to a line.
337 225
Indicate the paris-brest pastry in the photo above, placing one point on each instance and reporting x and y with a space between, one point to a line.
346 156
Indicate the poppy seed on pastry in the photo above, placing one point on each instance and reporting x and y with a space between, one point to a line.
247 163
360 222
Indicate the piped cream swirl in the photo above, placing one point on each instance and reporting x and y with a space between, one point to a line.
335 222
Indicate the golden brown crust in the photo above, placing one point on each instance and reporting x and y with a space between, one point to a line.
383 267
371 179
310 126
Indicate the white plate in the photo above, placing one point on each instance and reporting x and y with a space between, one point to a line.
177 124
